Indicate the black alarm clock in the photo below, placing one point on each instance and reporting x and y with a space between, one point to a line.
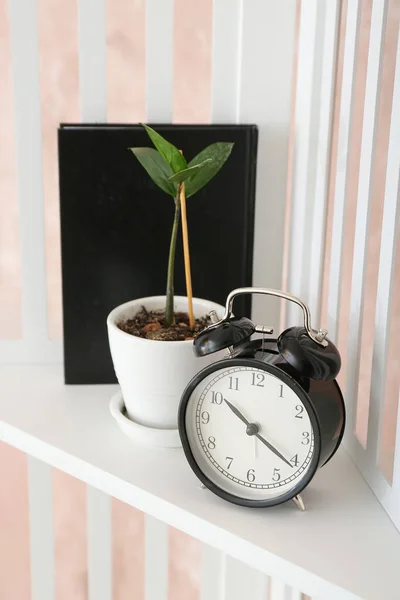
256 426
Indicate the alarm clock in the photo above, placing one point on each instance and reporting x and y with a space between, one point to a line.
256 426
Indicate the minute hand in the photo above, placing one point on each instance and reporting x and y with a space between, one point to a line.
273 449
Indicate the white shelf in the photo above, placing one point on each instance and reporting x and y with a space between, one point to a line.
343 547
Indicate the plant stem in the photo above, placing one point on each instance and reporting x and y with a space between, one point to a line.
169 306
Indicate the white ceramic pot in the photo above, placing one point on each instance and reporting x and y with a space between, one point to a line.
153 374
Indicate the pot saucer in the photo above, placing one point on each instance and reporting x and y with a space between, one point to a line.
163 438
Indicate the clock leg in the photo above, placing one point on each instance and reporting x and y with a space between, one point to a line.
298 500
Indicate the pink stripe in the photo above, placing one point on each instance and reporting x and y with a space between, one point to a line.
128 551
377 200
126 102
59 96
126 66
184 566
352 189
191 104
14 525
10 266
192 61
70 543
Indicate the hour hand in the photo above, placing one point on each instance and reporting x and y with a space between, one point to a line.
237 412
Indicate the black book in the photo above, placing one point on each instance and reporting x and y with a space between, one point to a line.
116 226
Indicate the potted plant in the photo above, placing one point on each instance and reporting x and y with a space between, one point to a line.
151 338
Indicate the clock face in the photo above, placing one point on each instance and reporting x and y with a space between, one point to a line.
250 434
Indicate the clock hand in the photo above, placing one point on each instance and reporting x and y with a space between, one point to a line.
273 449
237 412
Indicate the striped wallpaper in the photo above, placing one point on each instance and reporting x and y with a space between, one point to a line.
385 100
60 80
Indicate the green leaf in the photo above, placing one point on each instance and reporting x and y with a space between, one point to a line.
171 154
158 168
187 173
218 154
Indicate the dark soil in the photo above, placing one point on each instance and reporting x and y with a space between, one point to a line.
151 325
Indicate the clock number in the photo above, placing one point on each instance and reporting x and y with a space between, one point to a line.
250 475
216 398
205 417
300 409
295 460
258 379
230 458
211 442
276 475
281 392
234 383
306 438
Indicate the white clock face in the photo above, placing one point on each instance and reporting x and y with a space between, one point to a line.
249 433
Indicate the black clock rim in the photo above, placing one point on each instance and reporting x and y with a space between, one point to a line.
341 434
288 380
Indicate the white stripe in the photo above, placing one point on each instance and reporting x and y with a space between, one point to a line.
25 72
41 529
21 352
396 472
280 591
387 495
375 53
265 99
307 132
99 545
92 60
241 582
156 559
387 262
159 60
342 164
323 152
226 60
212 573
